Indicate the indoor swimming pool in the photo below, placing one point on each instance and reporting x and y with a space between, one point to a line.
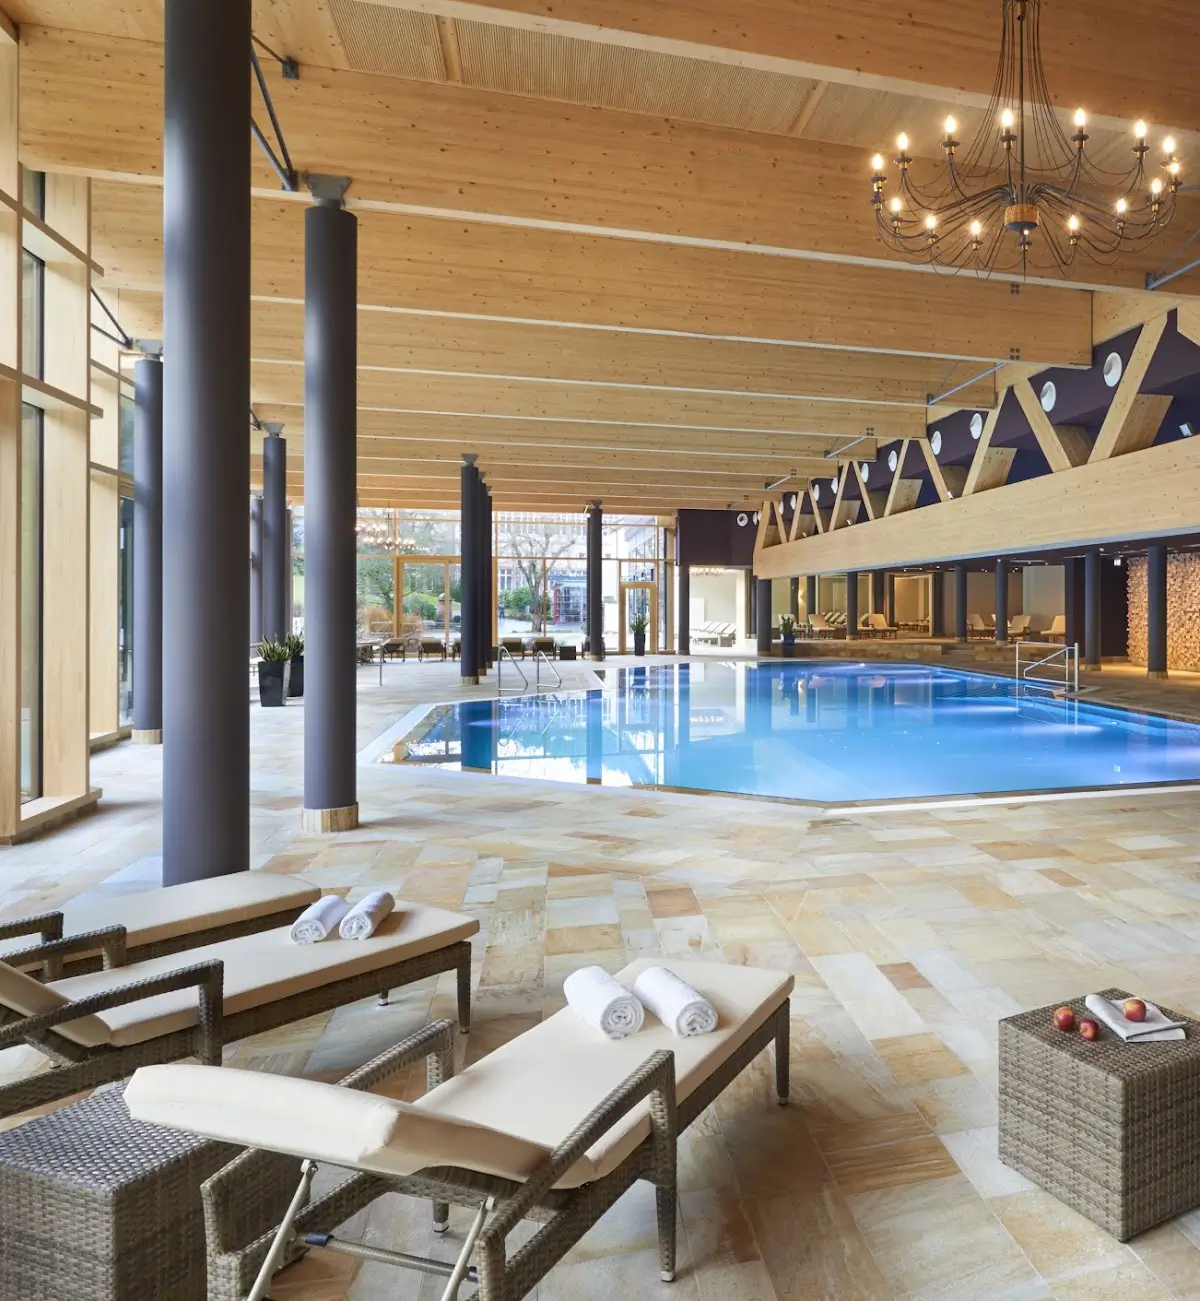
821 731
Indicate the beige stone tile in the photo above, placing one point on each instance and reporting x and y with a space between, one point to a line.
904 975
582 939
914 1058
1061 1243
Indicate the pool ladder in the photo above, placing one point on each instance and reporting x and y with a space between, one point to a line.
1063 659
539 659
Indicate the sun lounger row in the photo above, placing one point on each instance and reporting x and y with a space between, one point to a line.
715 634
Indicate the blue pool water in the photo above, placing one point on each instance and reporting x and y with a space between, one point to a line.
812 730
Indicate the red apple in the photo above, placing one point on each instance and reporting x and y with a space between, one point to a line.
1134 1009
1088 1029
1064 1018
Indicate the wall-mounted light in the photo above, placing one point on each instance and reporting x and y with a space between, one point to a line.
1117 561
976 426
1048 396
1113 366
935 442
1186 429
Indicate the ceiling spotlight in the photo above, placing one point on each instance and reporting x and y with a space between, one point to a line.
1187 429
1117 561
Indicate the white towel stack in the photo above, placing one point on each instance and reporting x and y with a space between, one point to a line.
364 918
603 1002
676 1004
319 920
1155 1028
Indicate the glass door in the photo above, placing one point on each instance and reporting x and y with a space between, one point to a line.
638 606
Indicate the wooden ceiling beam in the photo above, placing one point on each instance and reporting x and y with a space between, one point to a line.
94 105
419 265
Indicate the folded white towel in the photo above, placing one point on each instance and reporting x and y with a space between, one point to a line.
319 920
360 922
603 1002
1153 1029
676 1004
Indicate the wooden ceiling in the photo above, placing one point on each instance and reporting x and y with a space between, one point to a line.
620 249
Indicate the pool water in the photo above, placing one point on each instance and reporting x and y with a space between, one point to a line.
824 730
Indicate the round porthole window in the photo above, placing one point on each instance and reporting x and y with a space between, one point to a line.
893 460
865 469
1113 366
976 426
793 501
833 485
816 492
757 517
743 520
935 442
1048 396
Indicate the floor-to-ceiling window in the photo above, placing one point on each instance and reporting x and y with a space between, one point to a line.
125 613
33 292
31 602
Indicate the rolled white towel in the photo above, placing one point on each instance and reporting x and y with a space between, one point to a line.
361 921
319 920
1154 1028
603 1002
676 1004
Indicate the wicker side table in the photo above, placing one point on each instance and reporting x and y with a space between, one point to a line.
1110 1128
95 1206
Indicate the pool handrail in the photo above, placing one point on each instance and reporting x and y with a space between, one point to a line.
1067 654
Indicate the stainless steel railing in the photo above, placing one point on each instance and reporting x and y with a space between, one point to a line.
506 654
1063 660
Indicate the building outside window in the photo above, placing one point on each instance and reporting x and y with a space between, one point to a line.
31 602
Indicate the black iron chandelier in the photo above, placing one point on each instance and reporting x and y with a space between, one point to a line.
1023 176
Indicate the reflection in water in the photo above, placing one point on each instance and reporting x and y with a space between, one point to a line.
807 731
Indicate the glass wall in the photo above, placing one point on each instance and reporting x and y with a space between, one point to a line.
125 613
31 602
33 294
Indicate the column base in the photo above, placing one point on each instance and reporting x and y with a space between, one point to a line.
1091 668
470 679
147 736
1156 673
597 659
327 821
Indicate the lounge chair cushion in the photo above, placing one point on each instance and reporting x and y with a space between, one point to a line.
266 968
21 993
501 1116
153 916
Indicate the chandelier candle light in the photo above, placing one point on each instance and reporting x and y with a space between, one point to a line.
1022 174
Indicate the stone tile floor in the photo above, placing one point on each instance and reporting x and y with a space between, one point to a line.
909 934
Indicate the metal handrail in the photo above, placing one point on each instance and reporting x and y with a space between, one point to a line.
506 654
1067 657
538 660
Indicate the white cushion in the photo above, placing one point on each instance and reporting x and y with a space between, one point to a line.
501 1116
28 997
306 1118
266 968
152 916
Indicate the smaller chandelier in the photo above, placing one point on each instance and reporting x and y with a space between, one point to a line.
373 531
1022 176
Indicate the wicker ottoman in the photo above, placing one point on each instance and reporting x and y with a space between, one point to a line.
1110 1128
97 1207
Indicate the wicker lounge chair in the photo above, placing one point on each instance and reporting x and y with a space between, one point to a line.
431 647
101 1026
544 646
514 645
394 647
157 922
558 1130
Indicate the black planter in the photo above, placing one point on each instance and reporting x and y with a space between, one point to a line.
296 676
273 683
787 647
639 643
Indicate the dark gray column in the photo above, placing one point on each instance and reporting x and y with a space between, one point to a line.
794 598
468 660
937 604
810 596
481 583
256 565
330 472
1156 612
595 581
762 621
1001 601
206 458
960 602
147 550
1073 603
852 604
684 622
276 624
489 580
889 589
1091 609
878 591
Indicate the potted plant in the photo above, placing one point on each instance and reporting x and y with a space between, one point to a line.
273 673
638 625
293 643
787 633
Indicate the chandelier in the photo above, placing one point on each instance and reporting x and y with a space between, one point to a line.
1023 195
373 531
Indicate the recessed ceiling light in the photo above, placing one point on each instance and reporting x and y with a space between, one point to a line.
1113 366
